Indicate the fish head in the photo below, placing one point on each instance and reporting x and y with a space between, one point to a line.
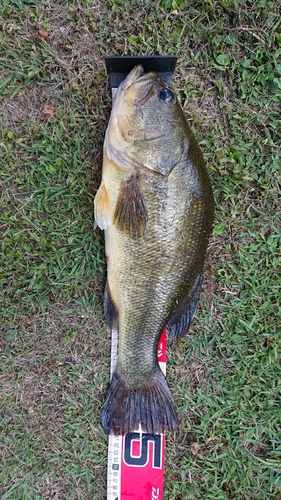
147 124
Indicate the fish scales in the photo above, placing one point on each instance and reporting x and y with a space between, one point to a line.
156 206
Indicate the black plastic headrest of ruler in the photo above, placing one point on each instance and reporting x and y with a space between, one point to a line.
118 67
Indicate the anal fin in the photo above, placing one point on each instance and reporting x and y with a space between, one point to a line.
131 213
110 310
180 319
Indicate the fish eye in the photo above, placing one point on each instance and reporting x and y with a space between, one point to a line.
165 95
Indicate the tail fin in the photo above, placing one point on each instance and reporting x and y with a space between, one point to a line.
126 407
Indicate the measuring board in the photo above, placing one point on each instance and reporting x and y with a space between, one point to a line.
136 460
135 468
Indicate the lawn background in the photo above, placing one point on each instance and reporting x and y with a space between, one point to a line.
55 348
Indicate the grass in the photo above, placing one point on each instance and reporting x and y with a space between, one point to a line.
55 349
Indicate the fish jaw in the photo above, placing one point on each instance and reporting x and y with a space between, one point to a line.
144 132
132 77
121 130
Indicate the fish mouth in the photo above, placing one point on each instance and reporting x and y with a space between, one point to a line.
135 74
138 86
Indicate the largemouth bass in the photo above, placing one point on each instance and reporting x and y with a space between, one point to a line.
155 204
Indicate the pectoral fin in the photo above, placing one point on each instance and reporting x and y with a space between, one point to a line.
103 216
181 318
131 212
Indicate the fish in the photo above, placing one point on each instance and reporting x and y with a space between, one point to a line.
155 204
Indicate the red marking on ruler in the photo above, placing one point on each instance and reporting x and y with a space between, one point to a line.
142 468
